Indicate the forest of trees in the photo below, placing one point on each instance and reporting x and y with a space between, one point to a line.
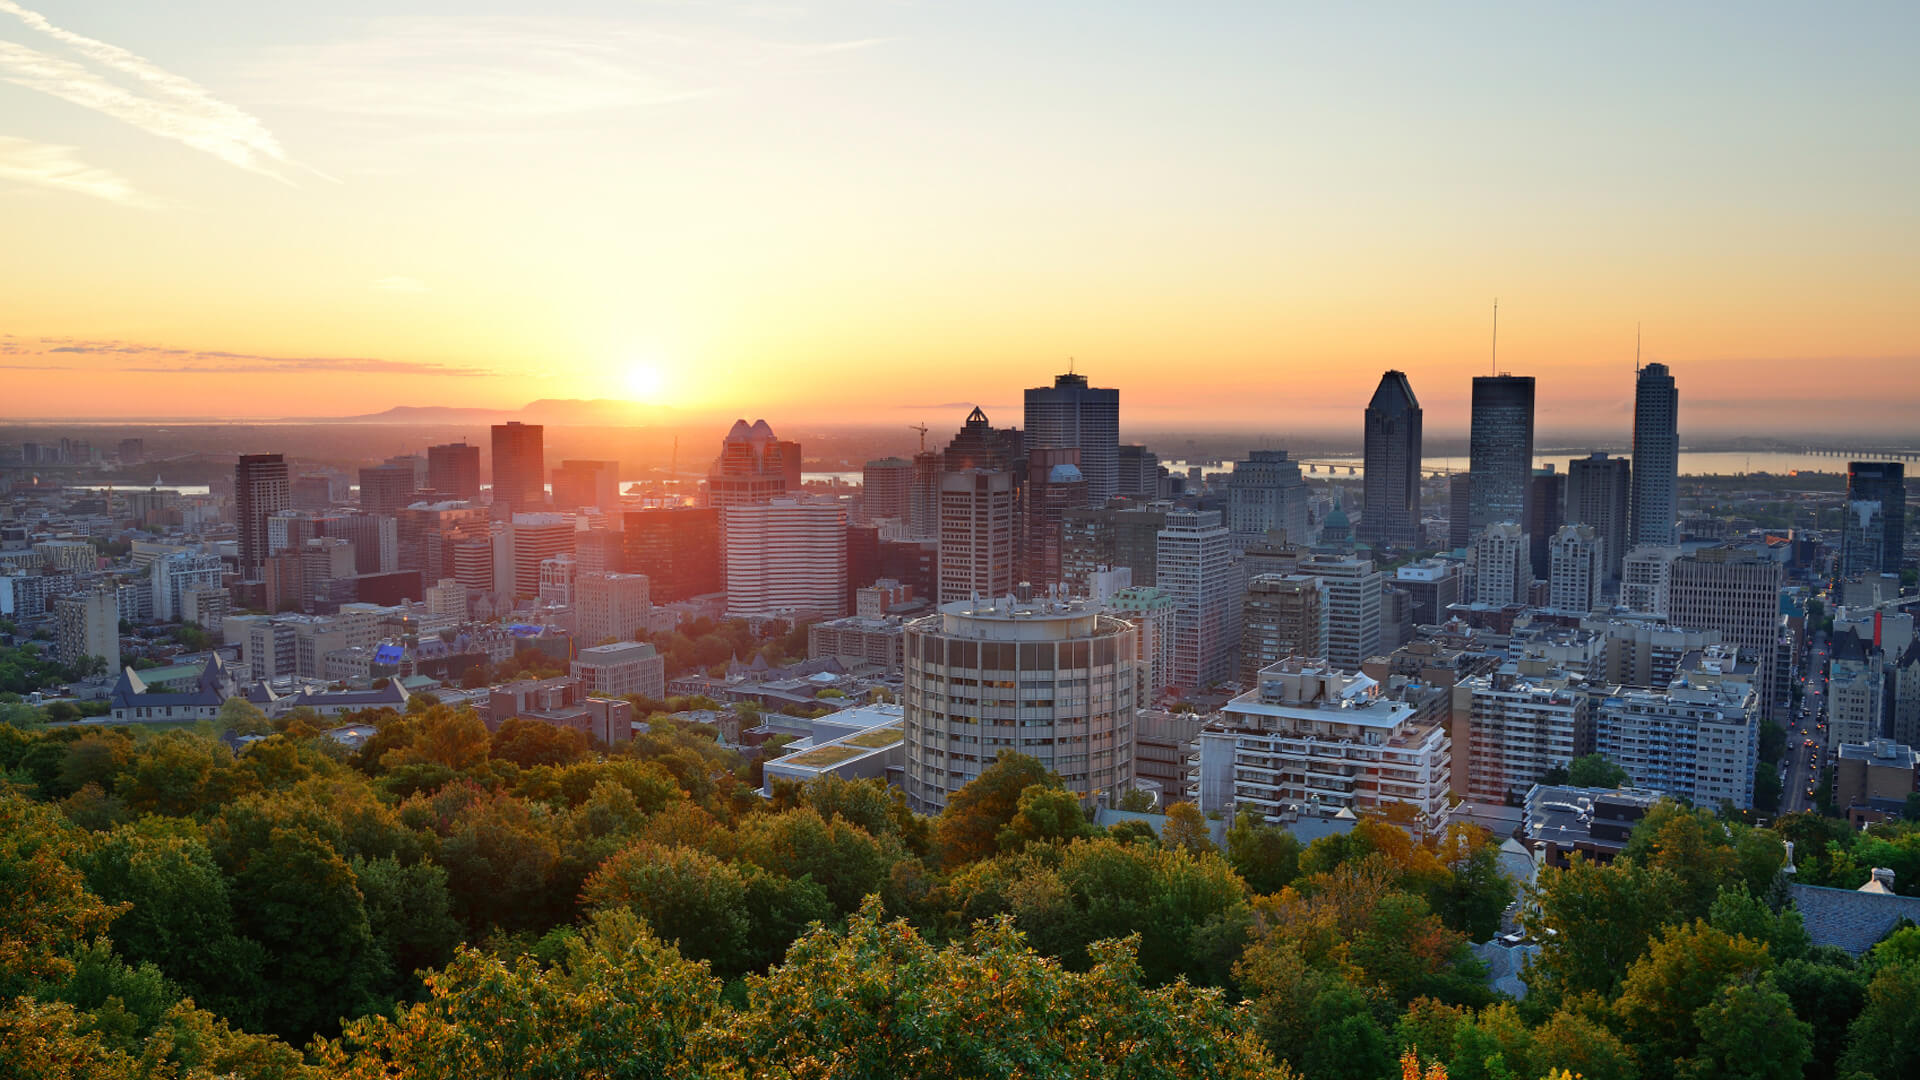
448 902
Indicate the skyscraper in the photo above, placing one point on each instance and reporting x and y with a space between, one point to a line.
384 489
1737 592
1054 486
1459 510
453 470
786 557
1577 564
1071 413
1390 503
752 466
1546 515
1656 456
578 483
677 549
1500 446
977 538
519 468
1195 568
886 490
259 492
1283 615
1266 492
1598 493
1883 482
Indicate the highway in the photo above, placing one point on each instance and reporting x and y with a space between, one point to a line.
1808 724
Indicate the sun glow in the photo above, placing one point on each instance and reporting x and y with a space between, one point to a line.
644 381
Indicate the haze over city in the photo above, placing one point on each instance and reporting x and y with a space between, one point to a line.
858 210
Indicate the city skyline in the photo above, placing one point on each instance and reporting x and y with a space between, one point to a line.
326 214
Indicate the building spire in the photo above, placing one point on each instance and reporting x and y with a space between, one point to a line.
1493 361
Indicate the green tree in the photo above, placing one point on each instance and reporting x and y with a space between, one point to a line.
410 912
1881 1039
1186 829
841 858
969 826
1593 921
241 717
1827 996
1265 856
48 910
1743 1017
1315 1021
1595 771
1045 815
1683 972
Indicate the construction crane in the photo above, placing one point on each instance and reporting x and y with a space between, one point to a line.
922 429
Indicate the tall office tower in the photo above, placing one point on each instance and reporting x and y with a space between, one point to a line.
259 492
1151 611
1656 456
977 549
1054 486
1500 564
1354 593
1139 473
425 532
323 559
1459 510
133 451
786 557
751 467
980 445
678 549
923 507
1282 616
1390 503
1863 538
1071 413
886 490
375 539
1547 514
789 463
311 492
914 563
1884 482
384 489
1599 489
610 606
1577 562
1510 727
1105 538
579 483
1646 579
1501 450
1266 492
1737 592
453 470
537 538
88 624
1195 567
1432 586
519 468
1076 668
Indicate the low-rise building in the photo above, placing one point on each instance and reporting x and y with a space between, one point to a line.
628 667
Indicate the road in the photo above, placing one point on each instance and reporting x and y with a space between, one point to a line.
1809 723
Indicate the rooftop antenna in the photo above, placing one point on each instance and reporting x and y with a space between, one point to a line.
1493 361
1636 348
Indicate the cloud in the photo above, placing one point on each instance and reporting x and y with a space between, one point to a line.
470 68
156 359
401 284
49 166
149 97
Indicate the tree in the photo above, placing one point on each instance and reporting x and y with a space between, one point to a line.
1593 921
1742 1017
241 717
969 826
528 743
881 1001
1265 856
1595 771
1683 972
48 909
1186 829
1312 1020
410 911
839 857
1827 996
1581 1046
1881 1039
1045 815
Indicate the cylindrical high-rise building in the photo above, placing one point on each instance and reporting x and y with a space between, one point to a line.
1656 456
1057 681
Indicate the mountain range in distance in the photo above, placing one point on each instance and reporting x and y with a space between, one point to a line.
568 412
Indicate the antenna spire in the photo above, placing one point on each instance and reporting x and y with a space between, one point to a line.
1636 348
1493 362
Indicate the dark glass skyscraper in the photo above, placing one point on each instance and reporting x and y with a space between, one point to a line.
1074 414
1597 496
1390 502
1884 482
453 469
1501 451
519 468
1656 456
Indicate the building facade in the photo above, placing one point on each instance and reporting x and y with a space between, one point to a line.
1071 413
786 557
1266 492
519 468
1500 447
1598 494
1283 616
1195 568
1390 501
1656 455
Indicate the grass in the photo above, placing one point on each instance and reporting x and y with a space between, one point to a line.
881 737
825 756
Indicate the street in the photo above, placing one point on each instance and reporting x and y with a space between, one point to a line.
1806 724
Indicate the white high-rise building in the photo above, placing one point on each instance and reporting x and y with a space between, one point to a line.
1500 564
1057 681
1856 699
1354 594
1646 579
1579 566
608 605
88 624
1194 565
535 539
1698 739
1510 727
1311 734
976 534
556 580
785 557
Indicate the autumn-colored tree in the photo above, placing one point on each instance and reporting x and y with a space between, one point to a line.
1682 972
1592 921
1045 815
1186 829
528 743
969 827
47 910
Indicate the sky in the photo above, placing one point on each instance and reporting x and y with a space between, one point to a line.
1238 213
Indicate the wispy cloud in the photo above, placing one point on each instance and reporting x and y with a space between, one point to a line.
401 284
458 68
49 166
160 359
148 96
